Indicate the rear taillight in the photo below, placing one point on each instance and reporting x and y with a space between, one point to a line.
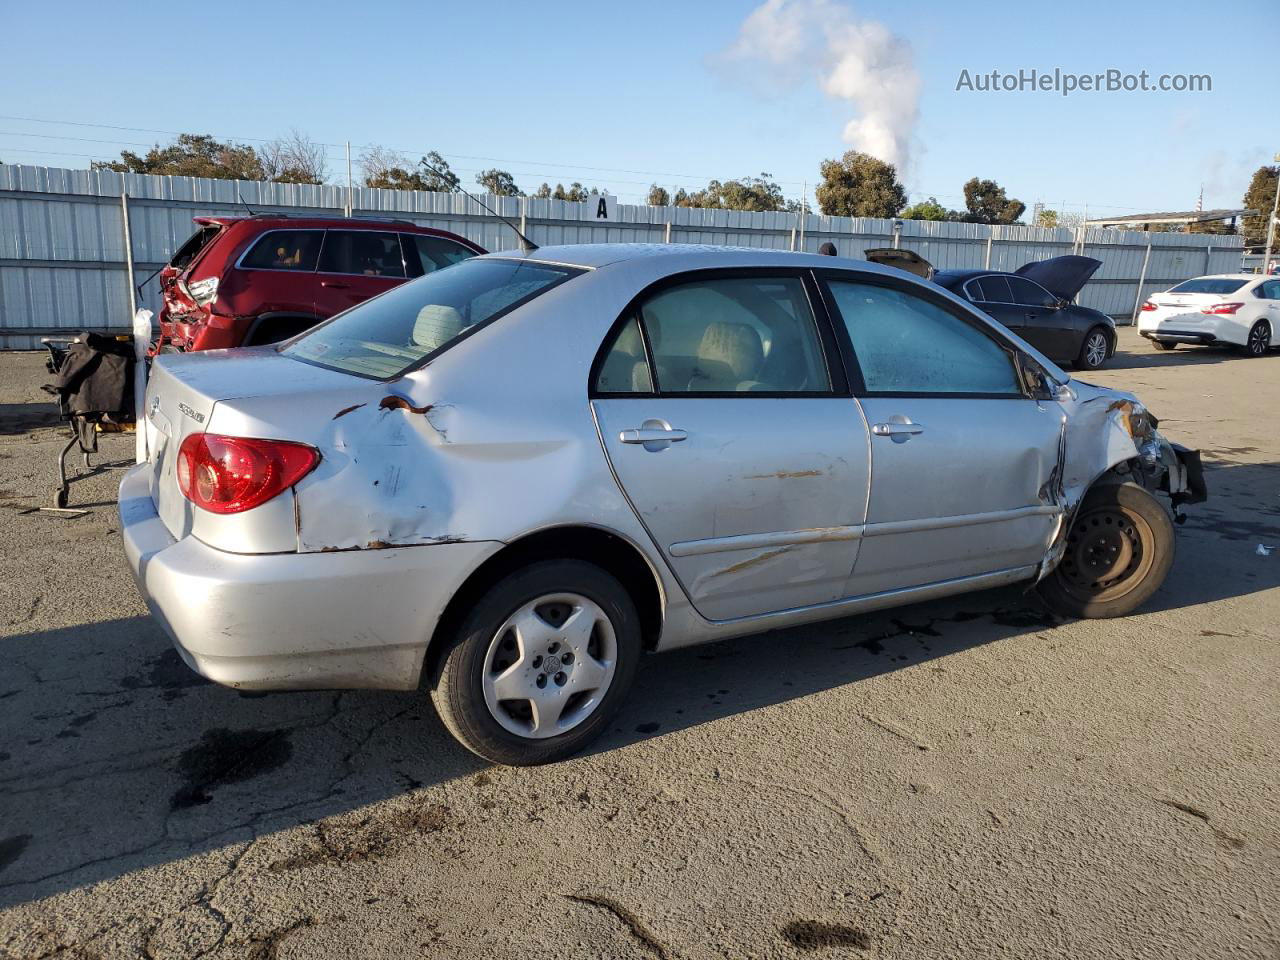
202 292
1149 306
1223 308
232 474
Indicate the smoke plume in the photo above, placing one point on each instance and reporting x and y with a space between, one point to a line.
855 60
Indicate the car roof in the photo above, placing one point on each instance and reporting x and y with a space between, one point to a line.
1228 276
273 221
687 256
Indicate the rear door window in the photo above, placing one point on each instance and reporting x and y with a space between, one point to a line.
365 253
735 335
995 289
1028 293
1217 285
427 254
285 250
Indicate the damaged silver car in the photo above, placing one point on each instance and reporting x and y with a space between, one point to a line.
509 479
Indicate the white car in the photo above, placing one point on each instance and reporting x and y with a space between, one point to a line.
1240 309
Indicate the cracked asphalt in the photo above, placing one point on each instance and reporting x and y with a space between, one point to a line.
968 778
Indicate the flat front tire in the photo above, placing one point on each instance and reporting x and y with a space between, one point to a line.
1119 551
540 664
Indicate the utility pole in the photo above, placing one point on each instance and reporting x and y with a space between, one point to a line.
350 206
1271 220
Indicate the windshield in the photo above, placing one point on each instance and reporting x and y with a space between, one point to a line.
1209 285
386 336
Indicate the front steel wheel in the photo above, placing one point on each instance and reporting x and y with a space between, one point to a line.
540 663
1119 551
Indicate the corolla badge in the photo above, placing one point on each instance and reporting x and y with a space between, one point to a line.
197 417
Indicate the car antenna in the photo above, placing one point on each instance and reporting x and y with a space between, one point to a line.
245 205
527 245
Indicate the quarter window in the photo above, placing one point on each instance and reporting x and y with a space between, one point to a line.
624 368
363 252
905 344
427 254
735 335
285 250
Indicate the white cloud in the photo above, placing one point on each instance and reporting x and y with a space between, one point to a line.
854 60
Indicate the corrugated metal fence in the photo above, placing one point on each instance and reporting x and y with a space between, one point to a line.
63 263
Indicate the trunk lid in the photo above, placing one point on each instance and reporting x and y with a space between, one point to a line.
246 393
1064 277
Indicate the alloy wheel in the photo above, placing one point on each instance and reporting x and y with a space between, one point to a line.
1095 350
1259 339
549 665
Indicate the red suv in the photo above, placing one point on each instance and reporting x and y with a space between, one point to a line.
243 281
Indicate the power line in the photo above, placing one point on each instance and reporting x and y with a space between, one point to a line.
340 150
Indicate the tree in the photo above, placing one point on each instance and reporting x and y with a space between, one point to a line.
986 202
929 209
1260 196
436 175
498 182
293 159
750 193
860 185
1047 218
658 197
391 170
191 155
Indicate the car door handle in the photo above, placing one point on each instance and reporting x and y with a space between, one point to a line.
334 284
652 435
899 429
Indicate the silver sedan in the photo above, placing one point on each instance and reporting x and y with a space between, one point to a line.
510 478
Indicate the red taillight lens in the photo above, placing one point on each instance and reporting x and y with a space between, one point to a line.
1148 305
232 474
1223 308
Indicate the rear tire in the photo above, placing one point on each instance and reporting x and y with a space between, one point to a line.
1094 350
540 665
1164 344
1119 551
1259 340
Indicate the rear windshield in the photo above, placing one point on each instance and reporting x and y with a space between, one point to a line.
195 243
1210 285
386 336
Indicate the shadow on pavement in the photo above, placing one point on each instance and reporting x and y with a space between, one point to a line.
116 757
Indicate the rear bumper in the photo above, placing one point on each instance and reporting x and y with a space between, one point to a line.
1179 336
1201 328
349 619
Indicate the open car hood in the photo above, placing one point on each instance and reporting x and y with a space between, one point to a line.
907 260
1061 276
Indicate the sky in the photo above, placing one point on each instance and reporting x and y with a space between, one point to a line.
621 95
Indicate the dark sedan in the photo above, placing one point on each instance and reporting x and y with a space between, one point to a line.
1035 302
